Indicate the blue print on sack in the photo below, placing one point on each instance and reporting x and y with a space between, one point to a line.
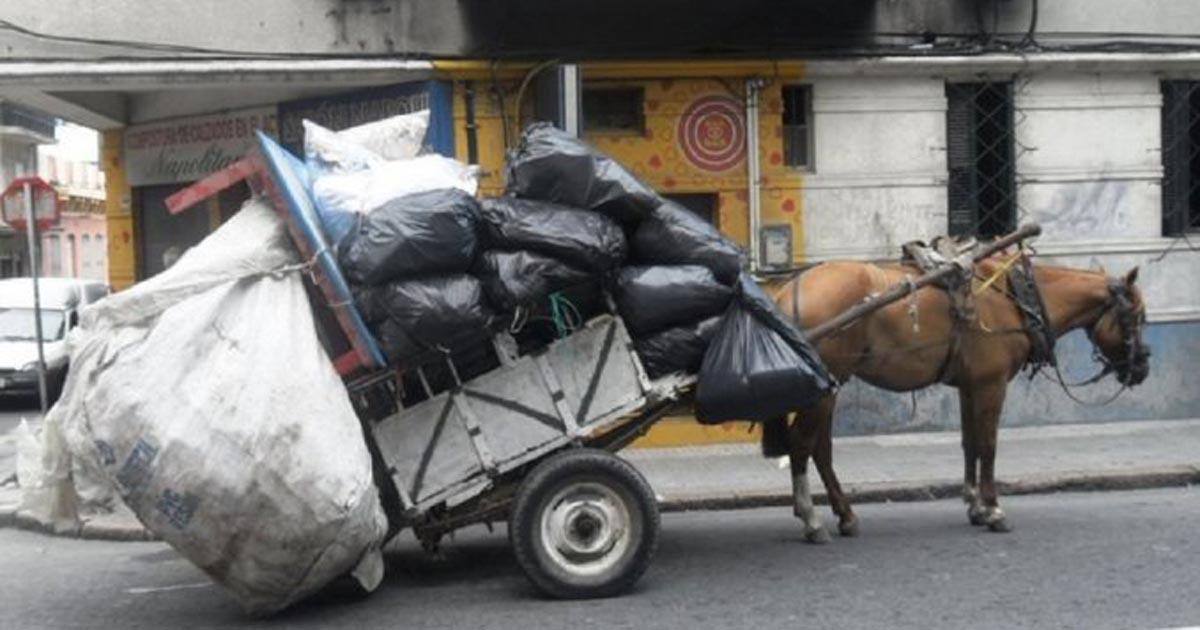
178 508
136 469
104 451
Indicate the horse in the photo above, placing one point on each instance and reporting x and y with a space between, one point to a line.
917 342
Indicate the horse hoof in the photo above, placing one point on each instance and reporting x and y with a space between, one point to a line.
977 516
818 536
848 528
999 525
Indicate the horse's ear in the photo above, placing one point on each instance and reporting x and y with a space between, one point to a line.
1131 277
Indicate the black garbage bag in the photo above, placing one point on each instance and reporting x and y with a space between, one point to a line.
512 279
552 165
585 239
752 371
674 235
413 318
652 299
430 232
679 349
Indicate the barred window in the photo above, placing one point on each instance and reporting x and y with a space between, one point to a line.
797 125
982 189
612 109
1181 157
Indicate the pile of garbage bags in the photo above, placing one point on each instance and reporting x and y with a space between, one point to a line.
436 271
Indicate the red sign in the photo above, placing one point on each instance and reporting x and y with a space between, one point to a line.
712 133
45 203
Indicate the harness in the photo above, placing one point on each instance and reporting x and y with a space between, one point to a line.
944 252
1027 296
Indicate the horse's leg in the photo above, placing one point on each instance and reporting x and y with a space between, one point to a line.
970 456
803 435
822 414
987 401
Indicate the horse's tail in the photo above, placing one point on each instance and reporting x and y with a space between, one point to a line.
775 437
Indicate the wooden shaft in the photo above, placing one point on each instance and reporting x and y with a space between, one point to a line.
899 291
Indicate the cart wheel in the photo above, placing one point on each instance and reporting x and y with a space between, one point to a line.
584 525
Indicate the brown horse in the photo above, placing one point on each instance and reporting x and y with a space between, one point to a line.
908 346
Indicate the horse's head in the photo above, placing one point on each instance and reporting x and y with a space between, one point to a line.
1117 332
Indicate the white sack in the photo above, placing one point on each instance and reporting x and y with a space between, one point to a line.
363 191
396 138
205 397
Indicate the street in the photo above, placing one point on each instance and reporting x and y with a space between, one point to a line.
1098 560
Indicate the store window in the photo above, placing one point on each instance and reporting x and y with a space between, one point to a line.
981 188
797 126
614 109
1181 157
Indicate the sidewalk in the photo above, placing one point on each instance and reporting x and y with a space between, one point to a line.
921 466
906 467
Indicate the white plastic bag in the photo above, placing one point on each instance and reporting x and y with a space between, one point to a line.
44 475
395 138
207 400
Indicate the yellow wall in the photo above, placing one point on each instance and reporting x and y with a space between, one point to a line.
658 155
122 248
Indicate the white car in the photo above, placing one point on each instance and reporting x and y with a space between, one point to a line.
61 299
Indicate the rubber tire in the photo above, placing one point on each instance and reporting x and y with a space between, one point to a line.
540 486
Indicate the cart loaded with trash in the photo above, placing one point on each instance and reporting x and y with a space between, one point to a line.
496 353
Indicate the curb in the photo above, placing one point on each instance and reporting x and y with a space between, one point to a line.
102 528
1141 479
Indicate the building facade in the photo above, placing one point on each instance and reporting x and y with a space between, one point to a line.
822 131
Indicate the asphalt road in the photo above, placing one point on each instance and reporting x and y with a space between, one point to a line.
1102 560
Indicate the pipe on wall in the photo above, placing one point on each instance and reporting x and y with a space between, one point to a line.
753 170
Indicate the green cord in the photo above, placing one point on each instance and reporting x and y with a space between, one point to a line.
564 314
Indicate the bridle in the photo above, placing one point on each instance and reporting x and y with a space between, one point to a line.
1131 319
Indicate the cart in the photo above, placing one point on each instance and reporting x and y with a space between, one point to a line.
532 440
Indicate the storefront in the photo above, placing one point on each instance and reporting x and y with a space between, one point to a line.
162 158
145 164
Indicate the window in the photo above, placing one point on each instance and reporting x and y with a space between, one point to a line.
703 205
609 109
52 257
1181 157
982 186
797 126
72 269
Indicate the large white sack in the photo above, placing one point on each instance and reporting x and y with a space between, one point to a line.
205 397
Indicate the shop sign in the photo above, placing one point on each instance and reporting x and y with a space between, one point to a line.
189 149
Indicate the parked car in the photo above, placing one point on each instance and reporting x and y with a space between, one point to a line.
61 300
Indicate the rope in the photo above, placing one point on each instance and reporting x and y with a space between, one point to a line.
1000 272
564 314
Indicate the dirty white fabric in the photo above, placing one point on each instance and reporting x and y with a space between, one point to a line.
204 396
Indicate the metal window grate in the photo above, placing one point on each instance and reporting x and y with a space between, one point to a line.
797 123
982 190
1181 156
617 109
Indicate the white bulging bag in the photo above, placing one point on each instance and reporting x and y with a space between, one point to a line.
205 397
